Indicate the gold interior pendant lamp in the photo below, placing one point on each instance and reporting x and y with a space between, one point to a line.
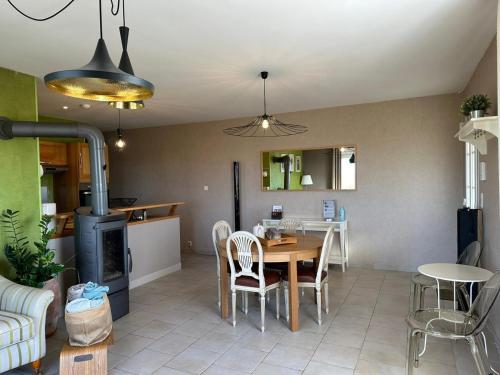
100 79
126 66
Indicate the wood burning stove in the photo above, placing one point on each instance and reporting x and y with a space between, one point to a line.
102 254
101 248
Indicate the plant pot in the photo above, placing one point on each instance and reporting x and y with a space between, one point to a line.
476 114
54 309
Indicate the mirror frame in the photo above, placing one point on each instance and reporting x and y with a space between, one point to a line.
309 148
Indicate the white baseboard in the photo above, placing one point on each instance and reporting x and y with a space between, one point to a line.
153 276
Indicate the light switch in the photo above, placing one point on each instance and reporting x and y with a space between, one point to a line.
205 188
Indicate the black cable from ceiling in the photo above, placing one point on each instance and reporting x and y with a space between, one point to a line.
40 19
113 12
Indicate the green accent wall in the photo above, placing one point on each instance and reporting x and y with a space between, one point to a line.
19 175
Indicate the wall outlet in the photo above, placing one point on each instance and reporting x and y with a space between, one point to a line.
190 244
205 188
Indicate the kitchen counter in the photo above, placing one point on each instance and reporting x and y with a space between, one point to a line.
153 242
161 211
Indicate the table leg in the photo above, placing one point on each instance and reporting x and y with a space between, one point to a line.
439 294
224 301
454 295
470 295
293 291
342 248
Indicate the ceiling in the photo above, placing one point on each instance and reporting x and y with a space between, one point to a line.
204 57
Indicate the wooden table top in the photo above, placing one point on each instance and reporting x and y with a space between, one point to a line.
307 247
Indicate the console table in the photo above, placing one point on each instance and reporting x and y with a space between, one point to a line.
320 225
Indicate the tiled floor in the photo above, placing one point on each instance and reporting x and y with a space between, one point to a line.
174 328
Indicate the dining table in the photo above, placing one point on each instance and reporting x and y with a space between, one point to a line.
306 248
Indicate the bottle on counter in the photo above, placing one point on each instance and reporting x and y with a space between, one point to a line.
342 214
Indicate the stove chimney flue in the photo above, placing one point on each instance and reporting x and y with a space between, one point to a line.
13 129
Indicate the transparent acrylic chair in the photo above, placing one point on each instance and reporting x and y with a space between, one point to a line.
420 283
220 231
453 325
245 279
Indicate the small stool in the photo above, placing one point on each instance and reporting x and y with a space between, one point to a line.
85 360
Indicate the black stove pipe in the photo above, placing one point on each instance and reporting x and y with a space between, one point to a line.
11 129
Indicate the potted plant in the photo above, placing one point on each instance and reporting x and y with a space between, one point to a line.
34 267
475 105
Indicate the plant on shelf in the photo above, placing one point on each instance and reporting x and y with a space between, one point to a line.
476 102
33 268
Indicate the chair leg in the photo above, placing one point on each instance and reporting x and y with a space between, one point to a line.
327 303
262 311
278 302
246 302
411 354
36 366
287 307
218 292
318 303
421 297
474 349
243 302
234 307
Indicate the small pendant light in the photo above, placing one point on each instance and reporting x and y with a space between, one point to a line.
100 79
126 66
120 142
265 125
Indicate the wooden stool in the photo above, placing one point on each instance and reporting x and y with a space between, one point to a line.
85 360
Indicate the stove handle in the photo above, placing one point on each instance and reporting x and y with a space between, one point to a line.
130 261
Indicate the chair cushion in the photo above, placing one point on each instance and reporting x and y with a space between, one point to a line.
306 274
271 277
15 328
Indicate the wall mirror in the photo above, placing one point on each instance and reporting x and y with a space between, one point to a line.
328 168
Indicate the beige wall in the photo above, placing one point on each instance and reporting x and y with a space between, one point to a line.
484 80
410 173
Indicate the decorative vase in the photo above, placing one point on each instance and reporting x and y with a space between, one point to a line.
54 309
476 114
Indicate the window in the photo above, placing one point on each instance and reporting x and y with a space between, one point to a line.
471 176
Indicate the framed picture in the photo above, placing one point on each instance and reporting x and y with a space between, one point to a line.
292 162
298 163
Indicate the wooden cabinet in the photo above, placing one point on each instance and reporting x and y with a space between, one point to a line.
67 184
53 153
84 168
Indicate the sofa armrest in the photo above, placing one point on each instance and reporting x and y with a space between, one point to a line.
25 300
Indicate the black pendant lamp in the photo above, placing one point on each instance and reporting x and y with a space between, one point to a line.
120 142
126 66
265 125
100 79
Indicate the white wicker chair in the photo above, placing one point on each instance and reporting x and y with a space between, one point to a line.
246 279
291 226
220 231
308 277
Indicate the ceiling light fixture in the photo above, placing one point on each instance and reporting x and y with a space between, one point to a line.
120 142
265 125
126 66
100 79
